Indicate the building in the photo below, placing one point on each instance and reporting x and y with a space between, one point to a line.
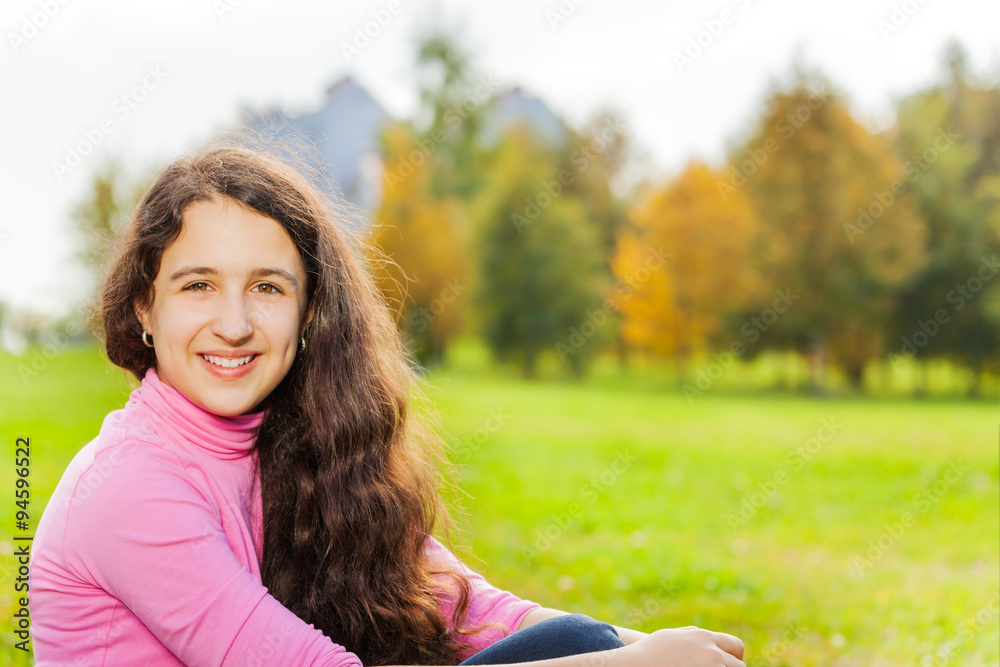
345 134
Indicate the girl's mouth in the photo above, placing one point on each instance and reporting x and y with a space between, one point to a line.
228 363
229 367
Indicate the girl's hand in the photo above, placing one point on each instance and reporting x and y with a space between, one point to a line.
690 646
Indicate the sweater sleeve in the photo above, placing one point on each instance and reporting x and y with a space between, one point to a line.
489 604
148 536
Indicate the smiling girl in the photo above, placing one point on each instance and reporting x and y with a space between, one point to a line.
267 495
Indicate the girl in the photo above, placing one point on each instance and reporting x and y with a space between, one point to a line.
267 496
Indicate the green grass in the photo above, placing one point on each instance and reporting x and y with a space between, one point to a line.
619 498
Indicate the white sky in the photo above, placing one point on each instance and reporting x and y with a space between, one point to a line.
61 80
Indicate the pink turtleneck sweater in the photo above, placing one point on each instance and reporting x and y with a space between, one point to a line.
148 552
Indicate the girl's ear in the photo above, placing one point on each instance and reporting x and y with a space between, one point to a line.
308 319
141 312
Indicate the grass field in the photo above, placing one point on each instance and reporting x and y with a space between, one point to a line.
845 531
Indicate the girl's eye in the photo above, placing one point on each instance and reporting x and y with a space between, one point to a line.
268 288
197 287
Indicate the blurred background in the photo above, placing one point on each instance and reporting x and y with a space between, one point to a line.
707 295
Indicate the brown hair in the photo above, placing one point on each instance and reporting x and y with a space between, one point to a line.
349 468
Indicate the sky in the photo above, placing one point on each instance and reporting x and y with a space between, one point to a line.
147 81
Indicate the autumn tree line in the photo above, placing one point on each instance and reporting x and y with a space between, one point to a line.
849 247
819 235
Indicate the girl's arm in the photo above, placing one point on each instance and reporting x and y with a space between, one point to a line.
678 647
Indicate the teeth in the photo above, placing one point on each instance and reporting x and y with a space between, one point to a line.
226 363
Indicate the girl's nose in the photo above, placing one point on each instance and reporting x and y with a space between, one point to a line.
233 322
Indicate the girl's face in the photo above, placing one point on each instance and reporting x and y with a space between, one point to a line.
229 307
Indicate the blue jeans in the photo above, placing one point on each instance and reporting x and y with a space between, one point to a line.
552 638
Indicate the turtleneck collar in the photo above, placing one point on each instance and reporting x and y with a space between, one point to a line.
223 437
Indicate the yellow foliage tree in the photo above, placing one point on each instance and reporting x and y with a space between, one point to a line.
423 239
846 233
672 308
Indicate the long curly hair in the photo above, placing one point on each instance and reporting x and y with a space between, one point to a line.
349 466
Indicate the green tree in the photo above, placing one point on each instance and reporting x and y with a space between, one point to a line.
99 214
108 201
540 276
949 137
453 100
592 161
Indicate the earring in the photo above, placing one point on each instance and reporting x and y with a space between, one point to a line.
302 345
146 340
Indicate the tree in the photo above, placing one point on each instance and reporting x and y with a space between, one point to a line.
952 307
110 199
593 160
99 214
451 114
682 303
590 164
423 235
840 230
540 275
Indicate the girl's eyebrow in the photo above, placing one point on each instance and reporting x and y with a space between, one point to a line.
193 271
255 273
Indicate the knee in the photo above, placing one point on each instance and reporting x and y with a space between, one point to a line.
586 633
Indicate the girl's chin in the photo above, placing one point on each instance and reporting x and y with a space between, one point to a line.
228 411
226 406
229 396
